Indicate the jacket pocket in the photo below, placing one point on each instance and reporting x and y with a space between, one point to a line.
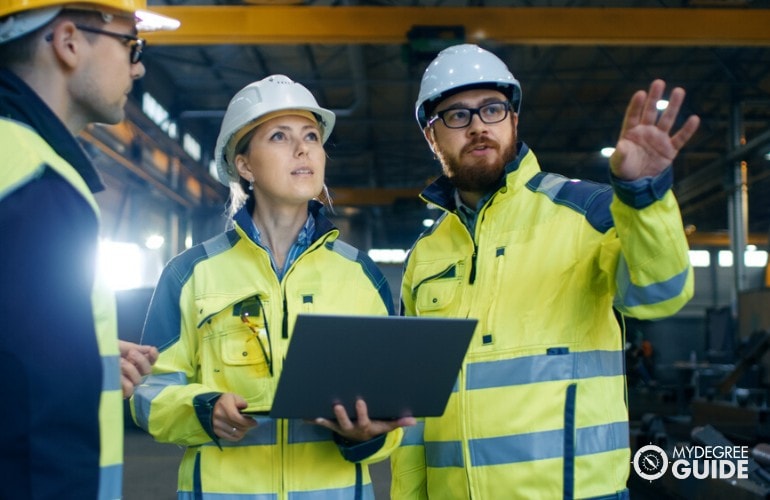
438 288
236 356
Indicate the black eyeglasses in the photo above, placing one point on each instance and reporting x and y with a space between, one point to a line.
494 112
253 316
134 42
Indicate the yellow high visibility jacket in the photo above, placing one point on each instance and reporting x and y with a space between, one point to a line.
206 349
539 409
27 158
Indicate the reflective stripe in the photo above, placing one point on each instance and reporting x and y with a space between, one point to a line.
263 434
587 198
444 454
145 393
528 447
110 482
631 295
335 494
550 185
544 368
620 495
302 432
189 495
414 435
331 494
111 373
548 444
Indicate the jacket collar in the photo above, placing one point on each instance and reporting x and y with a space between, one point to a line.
441 191
315 209
20 103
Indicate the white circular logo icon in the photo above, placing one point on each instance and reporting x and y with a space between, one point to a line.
650 462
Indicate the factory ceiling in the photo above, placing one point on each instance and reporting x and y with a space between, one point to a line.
578 63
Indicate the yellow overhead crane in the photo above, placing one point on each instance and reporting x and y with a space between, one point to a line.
294 24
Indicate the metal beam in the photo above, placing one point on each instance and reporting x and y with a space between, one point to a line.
257 24
372 196
722 240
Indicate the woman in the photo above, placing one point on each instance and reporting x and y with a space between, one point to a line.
223 311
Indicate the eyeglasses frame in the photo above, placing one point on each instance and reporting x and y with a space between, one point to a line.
136 44
267 353
473 111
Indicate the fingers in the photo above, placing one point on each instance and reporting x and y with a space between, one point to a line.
686 132
130 372
130 377
666 120
668 117
362 428
150 352
141 356
362 413
127 385
642 110
140 360
227 420
650 109
633 111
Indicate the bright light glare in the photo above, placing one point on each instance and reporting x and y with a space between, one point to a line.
428 222
120 264
387 255
700 258
150 21
154 241
607 152
661 104
755 258
751 258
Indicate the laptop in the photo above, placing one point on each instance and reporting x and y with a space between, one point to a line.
401 366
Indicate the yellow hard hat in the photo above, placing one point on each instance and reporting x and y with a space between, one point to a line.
19 17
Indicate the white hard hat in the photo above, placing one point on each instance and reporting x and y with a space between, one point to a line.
271 94
462 67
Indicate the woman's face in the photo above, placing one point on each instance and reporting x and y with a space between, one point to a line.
285 160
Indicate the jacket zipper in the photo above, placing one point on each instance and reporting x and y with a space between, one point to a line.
472 274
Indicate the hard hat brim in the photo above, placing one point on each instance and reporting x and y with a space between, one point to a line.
18 25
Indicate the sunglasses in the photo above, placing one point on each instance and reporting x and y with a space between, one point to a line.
135 43
253 315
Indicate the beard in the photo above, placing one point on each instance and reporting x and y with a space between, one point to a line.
477 175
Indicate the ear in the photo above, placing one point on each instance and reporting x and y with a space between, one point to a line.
67 43
242 166
430 137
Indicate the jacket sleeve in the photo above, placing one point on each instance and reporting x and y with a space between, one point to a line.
408 474
372 451
647 252
168 404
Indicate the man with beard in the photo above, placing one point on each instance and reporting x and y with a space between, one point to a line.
540 260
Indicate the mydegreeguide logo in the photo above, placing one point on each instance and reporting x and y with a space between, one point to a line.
651 462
